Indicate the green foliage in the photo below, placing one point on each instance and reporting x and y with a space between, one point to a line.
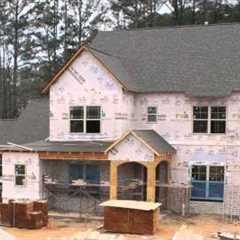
37 37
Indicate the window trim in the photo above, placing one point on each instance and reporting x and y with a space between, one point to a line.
92 119
204 120
209 119
152 114
207 181
76 119
85 119
20 175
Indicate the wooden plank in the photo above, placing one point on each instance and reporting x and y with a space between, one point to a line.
113 180
72 156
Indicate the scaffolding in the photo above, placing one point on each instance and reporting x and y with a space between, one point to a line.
174 197
62 196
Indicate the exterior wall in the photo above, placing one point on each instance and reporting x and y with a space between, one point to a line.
175 123
33 185
175 120
87 82
131 149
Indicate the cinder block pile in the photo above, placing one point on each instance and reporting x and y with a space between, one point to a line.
24 214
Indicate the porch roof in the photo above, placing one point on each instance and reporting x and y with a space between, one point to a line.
74 146
150 138
67 146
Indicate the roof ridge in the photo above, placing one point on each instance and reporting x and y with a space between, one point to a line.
202 25
103 52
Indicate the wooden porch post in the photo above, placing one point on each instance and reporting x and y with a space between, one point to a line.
113 180
151 182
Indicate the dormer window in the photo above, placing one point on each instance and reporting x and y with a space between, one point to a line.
152 114
85 119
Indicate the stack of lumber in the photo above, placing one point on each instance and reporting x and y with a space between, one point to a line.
42 206
21 212
35 220
24 214
6 214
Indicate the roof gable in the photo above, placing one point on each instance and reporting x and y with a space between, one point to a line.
149 138
131 148
111 64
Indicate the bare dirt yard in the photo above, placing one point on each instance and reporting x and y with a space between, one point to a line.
72 229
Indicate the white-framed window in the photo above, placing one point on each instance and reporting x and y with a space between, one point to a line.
218 119
152 114
209 119
77 119
20 174
85 119
207 183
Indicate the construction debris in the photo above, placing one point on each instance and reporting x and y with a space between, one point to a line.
228 236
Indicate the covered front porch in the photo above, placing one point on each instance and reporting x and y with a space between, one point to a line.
139 160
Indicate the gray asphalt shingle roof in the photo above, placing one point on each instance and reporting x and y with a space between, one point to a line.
32 124
76 146
154 140
198 60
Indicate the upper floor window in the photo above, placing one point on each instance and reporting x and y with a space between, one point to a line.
93 119
77 119
200 119
209 119
218 119
152 114
85 119
20 174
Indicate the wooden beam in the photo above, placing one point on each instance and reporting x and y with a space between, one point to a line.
113 180
72 156
151 182
163 157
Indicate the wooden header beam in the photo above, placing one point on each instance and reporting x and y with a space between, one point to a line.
72 156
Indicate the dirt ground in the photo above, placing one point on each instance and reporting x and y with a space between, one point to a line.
71 229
